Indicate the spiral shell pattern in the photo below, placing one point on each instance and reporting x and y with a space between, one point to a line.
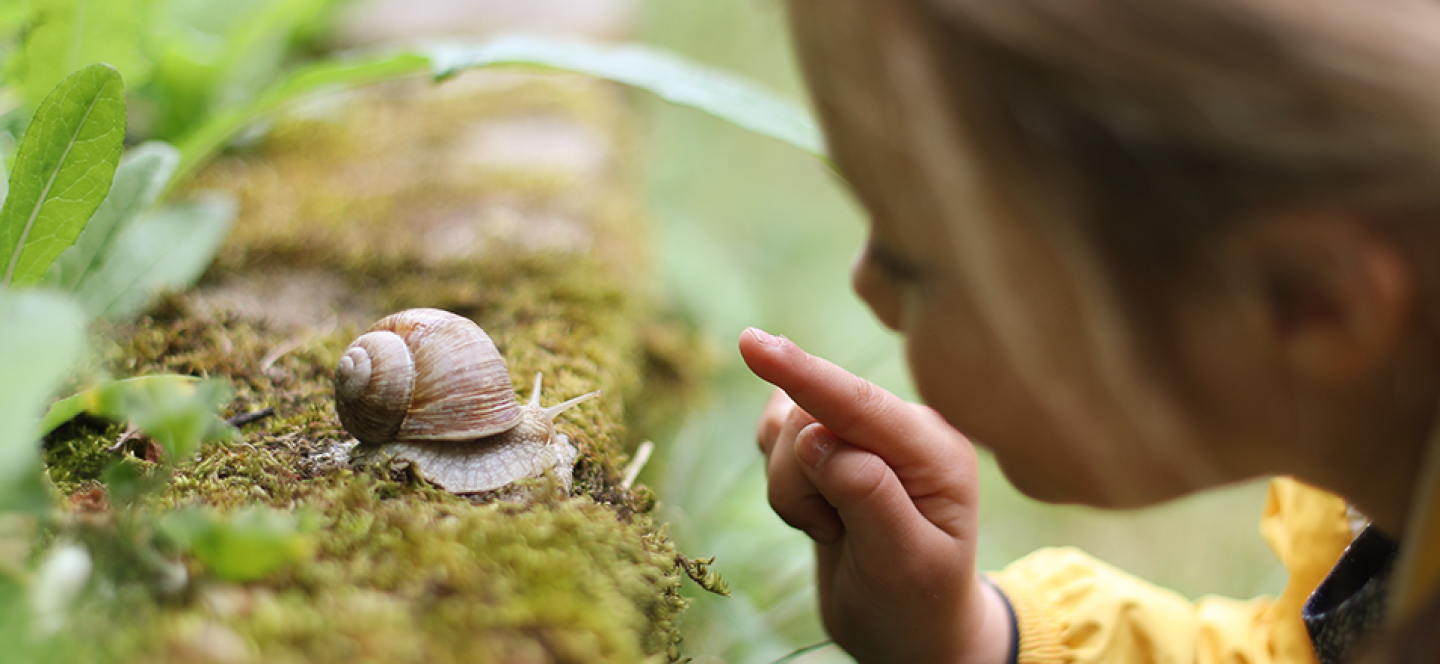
424 375
373 386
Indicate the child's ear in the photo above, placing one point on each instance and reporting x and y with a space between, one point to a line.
1336 293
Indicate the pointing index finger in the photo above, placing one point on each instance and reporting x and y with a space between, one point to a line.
852 408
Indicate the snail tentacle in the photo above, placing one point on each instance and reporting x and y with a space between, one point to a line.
553 411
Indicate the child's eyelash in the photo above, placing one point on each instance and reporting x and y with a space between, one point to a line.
898 268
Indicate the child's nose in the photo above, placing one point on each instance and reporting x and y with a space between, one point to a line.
878 289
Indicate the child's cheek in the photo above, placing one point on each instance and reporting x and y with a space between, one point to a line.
960 370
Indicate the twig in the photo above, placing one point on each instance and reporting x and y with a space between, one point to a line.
297 341
280 351
245 418
642 455
130 433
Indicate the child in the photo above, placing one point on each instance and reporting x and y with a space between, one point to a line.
1137 248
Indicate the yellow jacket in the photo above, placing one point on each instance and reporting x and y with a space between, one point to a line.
1073 609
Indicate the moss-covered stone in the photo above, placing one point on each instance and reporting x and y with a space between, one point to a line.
404 573
345 218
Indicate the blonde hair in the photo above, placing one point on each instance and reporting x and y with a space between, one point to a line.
1120 137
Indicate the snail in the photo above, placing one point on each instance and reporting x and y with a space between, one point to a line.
429 387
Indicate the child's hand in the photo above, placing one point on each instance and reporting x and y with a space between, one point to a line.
887 490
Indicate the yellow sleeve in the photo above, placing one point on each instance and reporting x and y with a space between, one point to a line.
1074 609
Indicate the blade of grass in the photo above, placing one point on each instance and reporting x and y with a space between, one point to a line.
672 78
62 171
796 654
668 76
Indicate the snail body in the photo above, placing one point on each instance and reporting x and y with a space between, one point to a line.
430 387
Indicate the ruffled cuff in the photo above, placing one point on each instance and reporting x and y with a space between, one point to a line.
1037 637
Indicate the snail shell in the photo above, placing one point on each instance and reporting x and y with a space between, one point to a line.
430 387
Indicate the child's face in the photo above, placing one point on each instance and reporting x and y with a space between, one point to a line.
1087 451
998 337
1270 344
1075 444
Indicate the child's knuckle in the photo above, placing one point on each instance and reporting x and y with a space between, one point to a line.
868 478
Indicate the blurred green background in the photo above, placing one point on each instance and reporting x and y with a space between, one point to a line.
752 232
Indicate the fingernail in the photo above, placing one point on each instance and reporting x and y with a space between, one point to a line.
815 446
764 337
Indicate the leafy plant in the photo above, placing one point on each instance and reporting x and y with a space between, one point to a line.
178 415
62 172
167 248
185 60
247 545
138 181
41 335
62 176
106 400
62 36
61 192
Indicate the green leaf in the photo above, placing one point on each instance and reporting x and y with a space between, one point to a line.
248 545
178 415
68 34
106 400
12 18
126 483
7 141
142 175
62 172
168 248
674 79
41 336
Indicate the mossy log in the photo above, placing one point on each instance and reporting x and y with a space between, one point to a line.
361 205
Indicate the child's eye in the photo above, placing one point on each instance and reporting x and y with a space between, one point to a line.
891 263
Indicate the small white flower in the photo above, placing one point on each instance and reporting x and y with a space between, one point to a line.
57 583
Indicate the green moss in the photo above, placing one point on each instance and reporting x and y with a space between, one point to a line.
403 571
407 574
75 454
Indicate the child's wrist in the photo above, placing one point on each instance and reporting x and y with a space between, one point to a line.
1012 655
994 639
